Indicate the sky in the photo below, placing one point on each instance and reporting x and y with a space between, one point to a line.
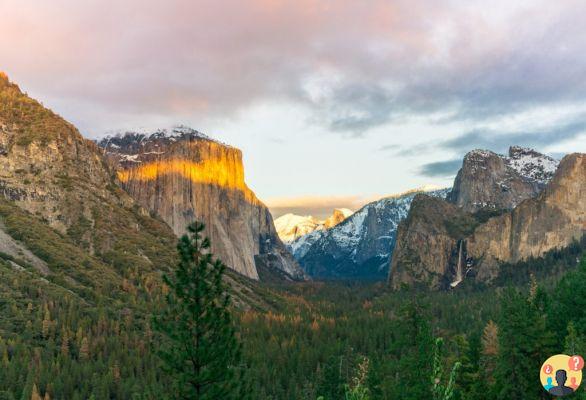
333 103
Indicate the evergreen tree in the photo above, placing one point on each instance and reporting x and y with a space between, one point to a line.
440 390
569 303
200 350
330 384
524 343
415 347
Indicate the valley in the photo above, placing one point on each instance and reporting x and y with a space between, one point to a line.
89 229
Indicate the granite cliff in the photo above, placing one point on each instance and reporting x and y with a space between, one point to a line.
490 180
482 226
552 220
181 175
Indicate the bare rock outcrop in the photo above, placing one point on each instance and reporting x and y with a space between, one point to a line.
490 180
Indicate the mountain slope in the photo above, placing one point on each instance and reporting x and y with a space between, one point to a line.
48 169
360 246
182 175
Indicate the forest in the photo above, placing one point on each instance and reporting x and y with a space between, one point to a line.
328 340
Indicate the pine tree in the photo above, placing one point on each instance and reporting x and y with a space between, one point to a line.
84 349
439 390
490 351
200 350
415 344
64 343
524 343
35 395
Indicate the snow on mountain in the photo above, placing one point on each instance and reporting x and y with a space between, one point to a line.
360 246
291 227
490 180
531 164
137 140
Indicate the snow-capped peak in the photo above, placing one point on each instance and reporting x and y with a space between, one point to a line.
531 164
290 226
135 140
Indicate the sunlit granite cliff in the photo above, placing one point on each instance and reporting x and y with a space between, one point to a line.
182 175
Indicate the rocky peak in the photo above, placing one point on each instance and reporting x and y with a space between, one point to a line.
531 164
494 181
291 227
48 169
339 215
132 142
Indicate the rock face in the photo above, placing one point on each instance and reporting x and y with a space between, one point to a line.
360 246
424 251
440 244
181 176
551 221
290 227
490 180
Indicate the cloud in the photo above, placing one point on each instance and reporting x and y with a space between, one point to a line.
354 65
390 147
441 168
495 140
500 142
317 206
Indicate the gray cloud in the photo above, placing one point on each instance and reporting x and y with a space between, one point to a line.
390 147
146 60
500 142
497 142
441 169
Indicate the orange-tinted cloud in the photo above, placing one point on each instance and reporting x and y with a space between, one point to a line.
108 63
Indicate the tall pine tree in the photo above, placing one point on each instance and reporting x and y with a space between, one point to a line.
200 350
524 343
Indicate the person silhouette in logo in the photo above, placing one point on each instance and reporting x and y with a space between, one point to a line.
561 389
549 383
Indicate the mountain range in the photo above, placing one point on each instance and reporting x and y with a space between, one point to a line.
122 202
360 246
291 227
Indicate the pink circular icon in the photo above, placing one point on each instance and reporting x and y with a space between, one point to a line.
576 363
547 369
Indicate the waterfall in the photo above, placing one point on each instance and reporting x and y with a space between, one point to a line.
459 266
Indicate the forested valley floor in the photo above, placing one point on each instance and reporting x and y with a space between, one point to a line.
309 339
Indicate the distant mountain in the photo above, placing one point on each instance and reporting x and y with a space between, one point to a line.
501 210
359 247
182 175
490 180
290 226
